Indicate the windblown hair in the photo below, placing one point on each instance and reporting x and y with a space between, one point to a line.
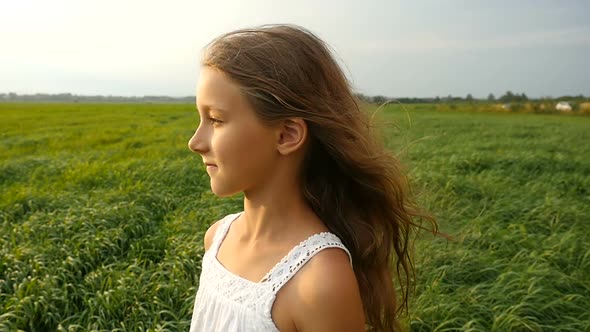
356 187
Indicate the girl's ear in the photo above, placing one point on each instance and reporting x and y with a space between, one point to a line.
292 135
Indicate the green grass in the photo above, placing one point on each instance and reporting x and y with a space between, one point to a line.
103 210
514 191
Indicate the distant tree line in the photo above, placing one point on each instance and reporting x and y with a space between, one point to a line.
508 97
72 98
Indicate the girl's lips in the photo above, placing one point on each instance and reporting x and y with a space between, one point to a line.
211 166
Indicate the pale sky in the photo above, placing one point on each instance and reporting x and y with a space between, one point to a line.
395 48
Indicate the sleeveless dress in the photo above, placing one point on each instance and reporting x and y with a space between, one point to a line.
226 302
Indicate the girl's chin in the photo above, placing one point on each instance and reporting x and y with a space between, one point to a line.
222 192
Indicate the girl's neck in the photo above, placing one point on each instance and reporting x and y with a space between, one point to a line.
272 214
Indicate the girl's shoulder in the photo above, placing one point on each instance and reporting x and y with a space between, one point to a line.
324 294
212 230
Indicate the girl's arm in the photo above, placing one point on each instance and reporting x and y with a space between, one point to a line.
329 297
209 234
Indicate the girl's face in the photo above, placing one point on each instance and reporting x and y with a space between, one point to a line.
238 149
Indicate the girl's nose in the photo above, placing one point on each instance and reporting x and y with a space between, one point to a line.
197 143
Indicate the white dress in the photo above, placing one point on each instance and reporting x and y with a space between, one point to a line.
226 302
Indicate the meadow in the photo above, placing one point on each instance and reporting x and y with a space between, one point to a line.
103 210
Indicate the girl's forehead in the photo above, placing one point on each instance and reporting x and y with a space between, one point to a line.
214 89
211 78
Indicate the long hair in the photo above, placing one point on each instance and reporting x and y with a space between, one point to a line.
350 180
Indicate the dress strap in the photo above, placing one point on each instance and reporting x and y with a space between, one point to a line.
221 232
298 256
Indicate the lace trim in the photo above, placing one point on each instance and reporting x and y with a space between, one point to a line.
231 287
284 270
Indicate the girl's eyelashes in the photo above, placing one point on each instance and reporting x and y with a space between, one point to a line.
215 121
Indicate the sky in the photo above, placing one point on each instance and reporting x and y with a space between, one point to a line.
407 48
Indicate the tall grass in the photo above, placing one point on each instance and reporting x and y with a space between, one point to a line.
103 210
514 191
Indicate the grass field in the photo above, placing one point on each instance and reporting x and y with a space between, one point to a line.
103 210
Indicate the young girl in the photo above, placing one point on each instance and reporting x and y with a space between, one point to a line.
327 213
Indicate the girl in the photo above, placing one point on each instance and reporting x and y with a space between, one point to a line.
327 212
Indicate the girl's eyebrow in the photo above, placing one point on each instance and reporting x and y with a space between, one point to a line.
206 108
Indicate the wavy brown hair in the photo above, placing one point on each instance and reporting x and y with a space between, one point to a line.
357 188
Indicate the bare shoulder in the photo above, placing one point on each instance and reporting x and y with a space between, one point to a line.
328 294
210 233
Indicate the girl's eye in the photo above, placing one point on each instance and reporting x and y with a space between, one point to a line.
215 121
